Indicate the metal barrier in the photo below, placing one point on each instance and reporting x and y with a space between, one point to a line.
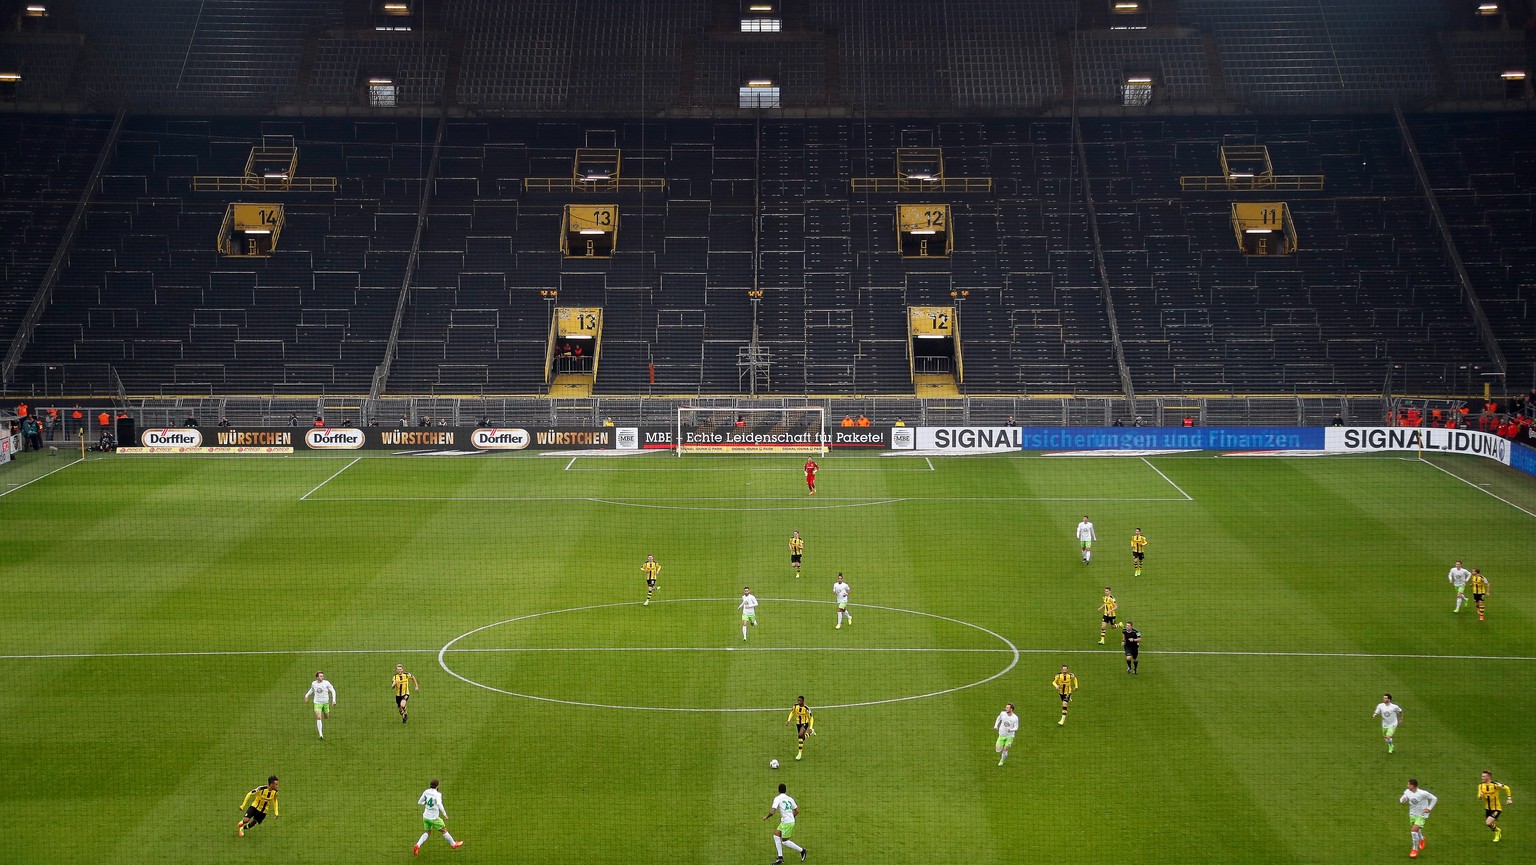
1064 410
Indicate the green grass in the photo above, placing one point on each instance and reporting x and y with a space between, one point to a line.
1210 757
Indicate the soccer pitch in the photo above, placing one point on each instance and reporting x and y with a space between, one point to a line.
165 616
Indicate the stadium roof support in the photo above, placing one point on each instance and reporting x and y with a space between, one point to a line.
1098 261
1484 328
381 372
45 288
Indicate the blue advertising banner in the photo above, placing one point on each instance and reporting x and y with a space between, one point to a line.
1523 457
1171 438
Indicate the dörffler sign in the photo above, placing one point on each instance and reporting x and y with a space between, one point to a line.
397 439
187 437
325 439
500 439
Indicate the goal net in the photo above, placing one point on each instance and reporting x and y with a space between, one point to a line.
705 430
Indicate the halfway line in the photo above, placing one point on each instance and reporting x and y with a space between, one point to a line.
727 649
1108 652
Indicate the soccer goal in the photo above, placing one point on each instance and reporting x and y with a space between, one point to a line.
707 430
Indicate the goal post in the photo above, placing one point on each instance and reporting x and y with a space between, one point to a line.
711 430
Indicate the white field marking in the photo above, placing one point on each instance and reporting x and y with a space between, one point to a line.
40 477
944 452
569 464
646 499
442 662
854 503
1160 474
1476 487
1284 454
930 464
64 656
842 469
1121 454
214 653
306 496
593 452
518 649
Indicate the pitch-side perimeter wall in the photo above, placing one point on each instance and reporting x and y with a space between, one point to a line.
957 440
470 439
1246 439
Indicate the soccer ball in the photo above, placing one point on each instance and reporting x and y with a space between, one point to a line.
773 764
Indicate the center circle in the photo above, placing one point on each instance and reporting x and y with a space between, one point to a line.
1011 650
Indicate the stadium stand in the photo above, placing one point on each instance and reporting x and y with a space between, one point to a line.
1103 59
1300 53
1474 61
1484 175
344 61
45 161
233 55
145 289
762 201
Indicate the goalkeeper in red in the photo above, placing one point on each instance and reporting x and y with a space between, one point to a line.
810 474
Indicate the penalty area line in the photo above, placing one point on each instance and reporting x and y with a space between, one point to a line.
306 496
1187 496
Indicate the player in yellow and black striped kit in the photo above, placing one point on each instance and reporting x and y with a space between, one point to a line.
402 683
1107 607
652 570
805 723
1489 792
1064 683
257 804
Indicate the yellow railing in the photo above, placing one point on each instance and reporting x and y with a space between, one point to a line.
1220 183
906 184
209 183
570 184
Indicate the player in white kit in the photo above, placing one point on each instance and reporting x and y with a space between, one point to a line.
1389 713
1007 726
748 607
1420 803
840 590
432 816
1459 577
324 694
1085 538
788 809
